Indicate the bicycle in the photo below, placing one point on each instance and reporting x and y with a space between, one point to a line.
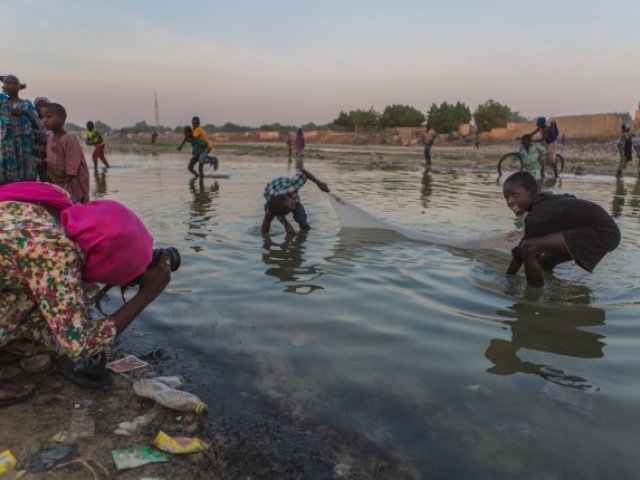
511 162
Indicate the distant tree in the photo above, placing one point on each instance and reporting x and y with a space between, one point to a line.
234 128
491 114
101 127
401 116
344 121
72 127
446 118
210 128
178 129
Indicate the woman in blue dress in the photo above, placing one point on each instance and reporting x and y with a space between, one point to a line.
19 124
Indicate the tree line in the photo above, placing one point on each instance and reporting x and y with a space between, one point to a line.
445 118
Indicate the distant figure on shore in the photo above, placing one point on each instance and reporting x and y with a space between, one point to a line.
476 141
428 138
198 132
154 138
557 229
625 147
66 165
549 133
282 198
19 123
289 144
95 138
299 144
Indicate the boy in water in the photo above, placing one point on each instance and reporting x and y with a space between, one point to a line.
532 155
66 165
282 198
625 147
199 132
558 228
199 148
94 138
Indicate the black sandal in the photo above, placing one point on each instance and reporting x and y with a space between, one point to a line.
90 372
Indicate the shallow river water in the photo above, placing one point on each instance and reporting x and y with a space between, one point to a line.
428 355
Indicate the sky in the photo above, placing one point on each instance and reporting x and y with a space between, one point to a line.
255 62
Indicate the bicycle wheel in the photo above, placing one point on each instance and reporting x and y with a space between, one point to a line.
510 163
548 168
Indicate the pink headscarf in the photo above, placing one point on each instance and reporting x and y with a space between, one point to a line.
114 240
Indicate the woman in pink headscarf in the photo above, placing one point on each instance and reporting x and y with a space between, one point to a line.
48 248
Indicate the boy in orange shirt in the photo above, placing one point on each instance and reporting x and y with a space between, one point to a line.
199 132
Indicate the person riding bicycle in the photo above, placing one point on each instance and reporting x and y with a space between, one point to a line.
549 133
532 155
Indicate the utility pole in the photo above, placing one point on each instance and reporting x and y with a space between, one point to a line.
157 108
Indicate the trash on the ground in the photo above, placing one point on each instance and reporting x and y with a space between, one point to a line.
171 381
129 428
36 364
179 444
60 437
577 399
479 390
50 457
156 389
133 457
126 364
9 371
7 461
85 402
341 471
82 425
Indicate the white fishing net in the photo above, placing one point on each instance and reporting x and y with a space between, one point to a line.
354 217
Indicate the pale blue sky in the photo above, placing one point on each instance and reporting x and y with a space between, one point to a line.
255 62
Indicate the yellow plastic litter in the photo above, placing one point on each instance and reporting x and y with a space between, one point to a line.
179 444
7 461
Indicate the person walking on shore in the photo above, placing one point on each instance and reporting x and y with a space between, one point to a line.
95 138
625 147
428 138
299 145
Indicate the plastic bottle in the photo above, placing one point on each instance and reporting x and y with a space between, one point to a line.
163 394
82 425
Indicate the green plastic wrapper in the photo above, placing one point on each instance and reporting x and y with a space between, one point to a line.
132 457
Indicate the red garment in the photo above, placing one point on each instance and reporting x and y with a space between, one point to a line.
67 167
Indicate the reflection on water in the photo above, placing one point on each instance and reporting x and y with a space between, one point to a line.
549 329
99 183
427 187
285 261
402 350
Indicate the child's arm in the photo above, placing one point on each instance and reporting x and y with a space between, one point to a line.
321 185
266 222
73 156
516 261
184 140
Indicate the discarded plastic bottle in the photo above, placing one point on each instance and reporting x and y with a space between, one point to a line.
155 389
82 425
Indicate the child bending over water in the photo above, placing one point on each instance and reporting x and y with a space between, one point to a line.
282 198
559 228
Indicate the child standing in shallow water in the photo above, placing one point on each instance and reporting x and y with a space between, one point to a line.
95 138
66 165
558 228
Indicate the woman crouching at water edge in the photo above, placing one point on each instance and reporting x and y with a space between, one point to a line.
48 248
559 228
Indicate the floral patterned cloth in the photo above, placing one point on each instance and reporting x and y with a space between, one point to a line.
41 294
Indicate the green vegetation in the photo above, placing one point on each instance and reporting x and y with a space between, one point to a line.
492 114
401 116
446 118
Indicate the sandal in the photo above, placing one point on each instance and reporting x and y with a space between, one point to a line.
89 373
12 392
